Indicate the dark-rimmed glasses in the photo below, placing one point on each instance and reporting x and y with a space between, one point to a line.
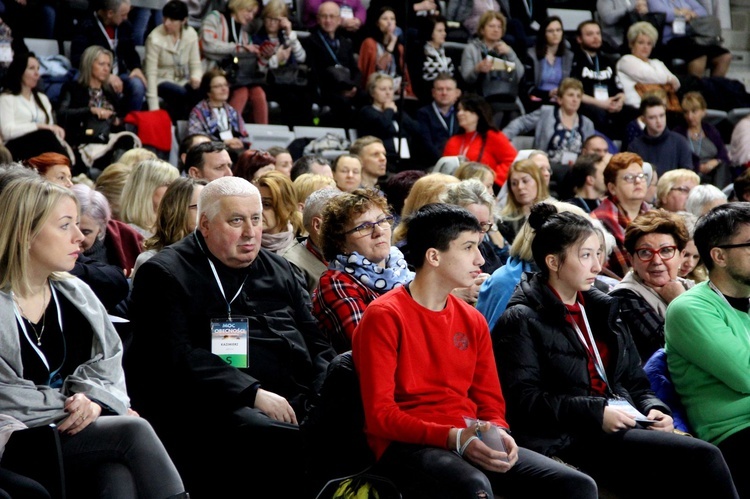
648 254
486 226
367 228
738 245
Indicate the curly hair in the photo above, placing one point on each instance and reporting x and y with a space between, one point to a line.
339 213
657 221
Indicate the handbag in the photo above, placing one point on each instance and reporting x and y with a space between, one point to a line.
242 69
705 30
673 102
340 75
95 131
293 74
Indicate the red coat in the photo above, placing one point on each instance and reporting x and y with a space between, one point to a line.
498 152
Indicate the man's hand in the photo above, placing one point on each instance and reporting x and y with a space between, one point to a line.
479 453
116 83
137 73
275 406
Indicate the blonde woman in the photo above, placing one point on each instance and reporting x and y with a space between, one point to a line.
425 190
526 188
62 358
142 194
111 182
673 189
176 218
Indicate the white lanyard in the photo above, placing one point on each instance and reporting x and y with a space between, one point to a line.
465 147
33 108
598 364
529 6
237 40
222 118
440 117
218 281
25 331
112 44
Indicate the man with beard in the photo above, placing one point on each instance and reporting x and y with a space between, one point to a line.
603 97
707 339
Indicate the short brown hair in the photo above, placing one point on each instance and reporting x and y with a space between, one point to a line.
656 221
488 16
692 101
620 161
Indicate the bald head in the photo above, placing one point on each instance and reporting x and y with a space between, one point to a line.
329 17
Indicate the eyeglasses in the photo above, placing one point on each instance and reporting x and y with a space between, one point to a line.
486 226
683 189
367 228
738 245
192 207
630 178
220 85
648 254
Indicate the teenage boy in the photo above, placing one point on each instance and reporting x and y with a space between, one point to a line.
424 360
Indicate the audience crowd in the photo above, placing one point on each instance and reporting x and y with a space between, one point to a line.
507 310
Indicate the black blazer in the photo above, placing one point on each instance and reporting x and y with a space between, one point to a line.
89 33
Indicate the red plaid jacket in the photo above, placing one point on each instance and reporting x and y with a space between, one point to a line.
616 220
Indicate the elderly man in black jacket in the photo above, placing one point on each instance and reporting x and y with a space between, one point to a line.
225 344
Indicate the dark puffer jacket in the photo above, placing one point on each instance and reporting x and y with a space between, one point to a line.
544 370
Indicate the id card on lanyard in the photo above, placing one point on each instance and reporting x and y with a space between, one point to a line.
229 340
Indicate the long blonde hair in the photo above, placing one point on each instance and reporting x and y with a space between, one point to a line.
136 202
425 190
26 204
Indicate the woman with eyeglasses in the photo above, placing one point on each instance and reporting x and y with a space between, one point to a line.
655 241
673 189
472 195
362 264
627 188
572 378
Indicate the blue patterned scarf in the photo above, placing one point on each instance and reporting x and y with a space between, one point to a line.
379 279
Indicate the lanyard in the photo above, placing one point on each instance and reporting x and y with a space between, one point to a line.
218 281
465 147
222 118
33 108
700 146
718 292
593 349
328 46
112 41
237 40
440 117
26 332
529 6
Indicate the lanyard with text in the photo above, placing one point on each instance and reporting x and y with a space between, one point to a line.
26 333
237 40
592 347
447 126
218 282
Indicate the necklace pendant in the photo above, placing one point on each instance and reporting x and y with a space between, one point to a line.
39 342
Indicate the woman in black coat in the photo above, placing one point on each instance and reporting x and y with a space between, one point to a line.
573 382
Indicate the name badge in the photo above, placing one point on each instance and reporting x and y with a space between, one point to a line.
534 25
568 158
396 84
346 12
601 92
627 408
226 135
679 25
404 147
6 53
229 340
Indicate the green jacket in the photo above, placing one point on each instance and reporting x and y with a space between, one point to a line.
708 353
